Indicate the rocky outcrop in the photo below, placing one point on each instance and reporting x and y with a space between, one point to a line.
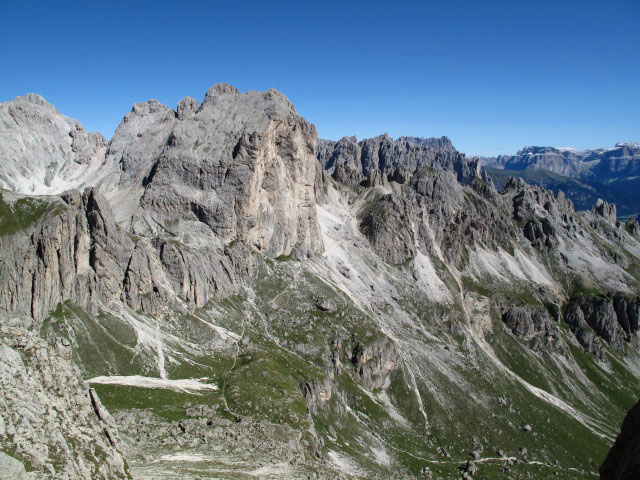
532 325
317 393
605 210
42 152
542 216
374 362
585 335
623 460
49 419
614 318
633 227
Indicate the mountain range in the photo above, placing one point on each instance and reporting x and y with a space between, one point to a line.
214 292
612 174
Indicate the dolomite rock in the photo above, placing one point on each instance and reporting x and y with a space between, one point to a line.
11 469
383 154
374 362
532 325
429 210
614 318
605 210
240 167
43 152
47 413
317 392
77 252
542 216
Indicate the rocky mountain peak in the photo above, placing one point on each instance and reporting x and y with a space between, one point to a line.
142 109
34 99
606 210
219 89
627 144
186 107
43 152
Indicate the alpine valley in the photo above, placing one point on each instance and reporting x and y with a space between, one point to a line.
216 293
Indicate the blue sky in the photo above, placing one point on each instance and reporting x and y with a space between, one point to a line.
494 76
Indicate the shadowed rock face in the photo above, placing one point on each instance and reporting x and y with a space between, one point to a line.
623 460
612 318
79 253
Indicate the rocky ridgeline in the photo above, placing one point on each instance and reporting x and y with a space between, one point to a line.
238 167
622 160
383 154
412 208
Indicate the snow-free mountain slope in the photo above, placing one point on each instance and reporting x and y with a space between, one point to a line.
250 302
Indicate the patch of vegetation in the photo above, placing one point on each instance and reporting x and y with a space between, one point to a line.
470 285
25 212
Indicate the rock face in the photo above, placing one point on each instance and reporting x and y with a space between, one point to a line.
374 362
613 318
77 252
532 325
429 210
605 210
11 469
239 167
48 418
542 216
383 154
42 152
623 460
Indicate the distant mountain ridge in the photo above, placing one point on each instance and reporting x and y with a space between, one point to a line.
584 175
604 163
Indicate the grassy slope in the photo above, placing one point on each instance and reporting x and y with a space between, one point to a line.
288 342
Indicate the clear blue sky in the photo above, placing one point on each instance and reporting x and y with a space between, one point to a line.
492 75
